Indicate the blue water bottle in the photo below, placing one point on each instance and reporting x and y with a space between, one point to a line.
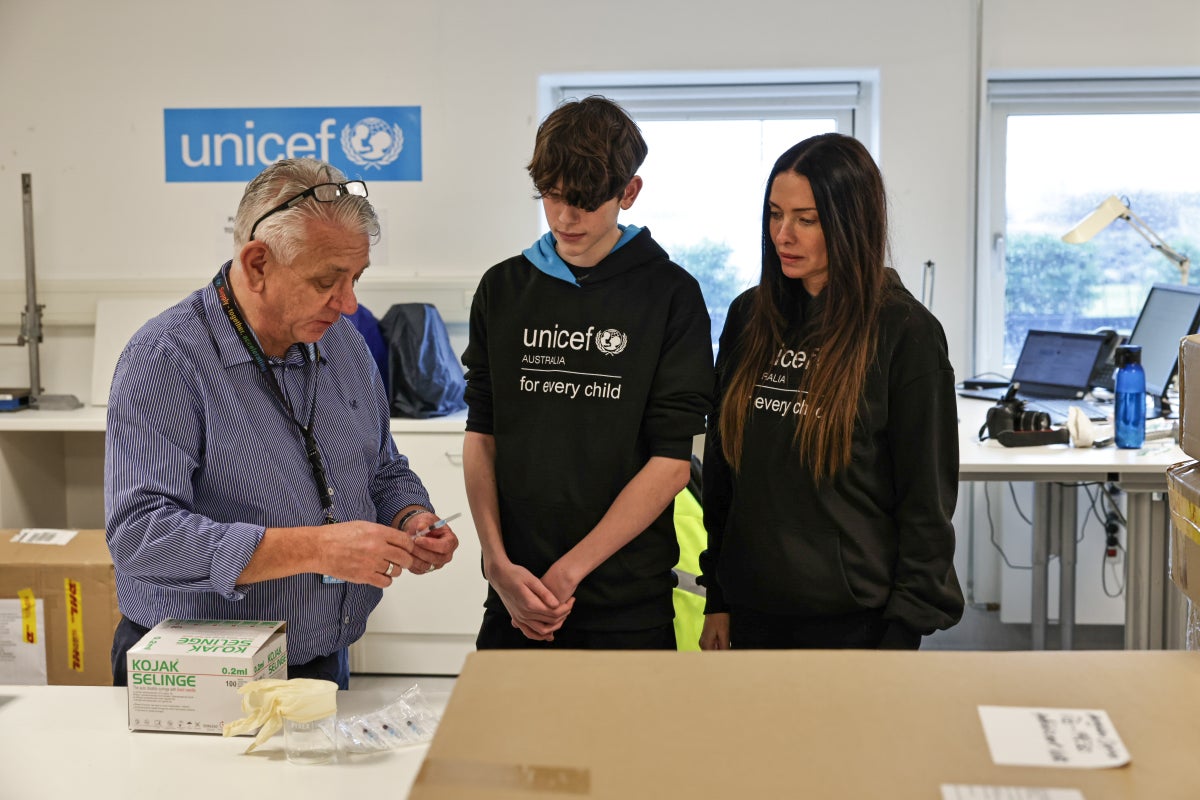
1130 406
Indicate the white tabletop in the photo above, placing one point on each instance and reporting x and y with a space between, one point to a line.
990 458
977 460
73 741
88 418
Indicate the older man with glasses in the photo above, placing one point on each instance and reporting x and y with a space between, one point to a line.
250 471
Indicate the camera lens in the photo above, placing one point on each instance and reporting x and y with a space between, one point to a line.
1033 421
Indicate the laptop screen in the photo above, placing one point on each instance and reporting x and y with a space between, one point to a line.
1169 314
1057 364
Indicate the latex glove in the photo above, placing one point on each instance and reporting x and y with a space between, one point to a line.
267 702
1080 428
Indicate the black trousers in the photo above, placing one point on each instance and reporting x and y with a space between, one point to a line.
867 630
334 667
497 633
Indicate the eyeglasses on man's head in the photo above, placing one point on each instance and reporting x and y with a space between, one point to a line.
322 193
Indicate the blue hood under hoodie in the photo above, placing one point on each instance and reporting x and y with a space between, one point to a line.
543 255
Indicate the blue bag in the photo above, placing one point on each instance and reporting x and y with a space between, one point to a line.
426 377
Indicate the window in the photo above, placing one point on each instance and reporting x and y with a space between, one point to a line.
1057 150
712 145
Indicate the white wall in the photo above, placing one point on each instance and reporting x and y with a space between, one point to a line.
83 86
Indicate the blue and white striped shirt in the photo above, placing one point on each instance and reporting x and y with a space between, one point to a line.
201 457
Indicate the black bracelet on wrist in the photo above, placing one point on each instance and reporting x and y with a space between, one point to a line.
410 515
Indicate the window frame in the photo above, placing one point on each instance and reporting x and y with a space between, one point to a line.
849 97
1049 97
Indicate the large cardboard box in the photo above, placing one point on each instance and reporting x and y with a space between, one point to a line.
58 607
1189 395
184 673
523 725
1183 495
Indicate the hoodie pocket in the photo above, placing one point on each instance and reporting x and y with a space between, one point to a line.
788 569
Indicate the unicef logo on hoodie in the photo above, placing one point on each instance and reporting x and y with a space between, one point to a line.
611 341
382 143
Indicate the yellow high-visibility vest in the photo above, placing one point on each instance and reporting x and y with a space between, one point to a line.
689 595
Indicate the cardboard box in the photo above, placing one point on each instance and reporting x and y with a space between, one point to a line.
58 607
525 725
1189 401
1183 495
184 674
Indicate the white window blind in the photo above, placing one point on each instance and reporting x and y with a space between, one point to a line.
728 101
1067 95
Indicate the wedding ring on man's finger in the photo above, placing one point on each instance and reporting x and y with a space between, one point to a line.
388 571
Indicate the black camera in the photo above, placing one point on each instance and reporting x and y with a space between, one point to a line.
1011 424
1011 416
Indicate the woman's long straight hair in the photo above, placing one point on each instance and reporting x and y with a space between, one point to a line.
852 210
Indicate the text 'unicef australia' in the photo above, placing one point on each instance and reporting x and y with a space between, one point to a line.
374 143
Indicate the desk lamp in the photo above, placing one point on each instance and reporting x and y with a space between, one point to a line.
1113 208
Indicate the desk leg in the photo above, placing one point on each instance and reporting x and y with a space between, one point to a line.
1065 525
1054 523
1155 610
1039 604
1138 560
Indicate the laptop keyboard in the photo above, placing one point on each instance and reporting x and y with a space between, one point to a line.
1058 409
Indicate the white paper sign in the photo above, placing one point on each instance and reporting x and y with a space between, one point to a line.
20 661
223 237
56 536
1052 737
962 791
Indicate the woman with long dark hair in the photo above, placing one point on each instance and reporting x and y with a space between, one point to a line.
831 462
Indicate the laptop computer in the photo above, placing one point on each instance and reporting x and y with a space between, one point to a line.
1054 371
1170 312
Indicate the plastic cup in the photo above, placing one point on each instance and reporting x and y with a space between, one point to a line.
310 742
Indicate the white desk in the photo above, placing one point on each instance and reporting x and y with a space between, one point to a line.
1155 612
74 741
52 464
51 475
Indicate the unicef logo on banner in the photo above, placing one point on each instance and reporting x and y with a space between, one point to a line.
235 144
372 142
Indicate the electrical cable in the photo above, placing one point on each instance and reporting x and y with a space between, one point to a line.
1116 509
992 529
1092 500
1114 566
988 375
1013 493
1111 563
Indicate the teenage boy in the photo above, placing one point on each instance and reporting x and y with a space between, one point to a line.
589 371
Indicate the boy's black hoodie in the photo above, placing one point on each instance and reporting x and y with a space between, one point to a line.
581 383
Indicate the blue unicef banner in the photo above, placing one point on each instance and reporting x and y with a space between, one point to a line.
381 143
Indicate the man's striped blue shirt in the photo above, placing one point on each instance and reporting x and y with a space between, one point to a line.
201 457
